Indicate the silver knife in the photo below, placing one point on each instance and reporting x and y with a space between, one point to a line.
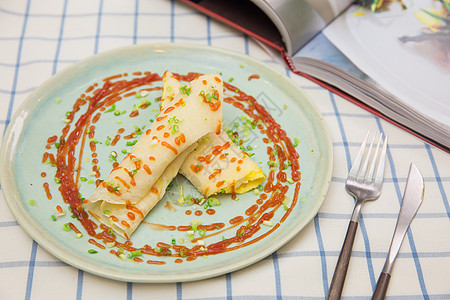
412 198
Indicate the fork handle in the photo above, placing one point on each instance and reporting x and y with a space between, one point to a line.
337 283
382 285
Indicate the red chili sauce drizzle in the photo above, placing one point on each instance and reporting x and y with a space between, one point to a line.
254 76
263 209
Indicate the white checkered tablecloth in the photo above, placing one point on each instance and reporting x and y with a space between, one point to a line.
40 37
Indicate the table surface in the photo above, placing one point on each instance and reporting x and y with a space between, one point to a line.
39 38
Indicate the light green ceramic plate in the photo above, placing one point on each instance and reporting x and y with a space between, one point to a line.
41 116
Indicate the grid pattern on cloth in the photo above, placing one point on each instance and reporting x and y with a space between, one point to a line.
40 37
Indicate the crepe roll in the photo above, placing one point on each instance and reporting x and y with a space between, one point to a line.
188 117
125 218
216 165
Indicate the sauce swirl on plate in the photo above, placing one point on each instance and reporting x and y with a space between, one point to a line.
244 229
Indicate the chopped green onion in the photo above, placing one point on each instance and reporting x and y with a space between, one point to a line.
53 217
175 129
194 224
185 90
134 253
92 251
66 227
112 108
32 202
272 163
213 202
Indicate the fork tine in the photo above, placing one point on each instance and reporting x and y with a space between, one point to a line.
381 165
367 159
375 161
357 162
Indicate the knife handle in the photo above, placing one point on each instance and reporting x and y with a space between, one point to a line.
381 288
337 283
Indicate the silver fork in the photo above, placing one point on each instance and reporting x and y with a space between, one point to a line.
364 182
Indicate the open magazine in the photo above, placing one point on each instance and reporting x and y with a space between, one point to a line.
389 57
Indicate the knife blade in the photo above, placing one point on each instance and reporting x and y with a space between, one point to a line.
412 198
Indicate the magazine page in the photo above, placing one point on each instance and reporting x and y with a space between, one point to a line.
404 47
322 49
328 9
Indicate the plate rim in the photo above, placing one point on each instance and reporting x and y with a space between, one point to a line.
45 241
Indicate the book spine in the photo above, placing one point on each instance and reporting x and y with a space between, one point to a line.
221 18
